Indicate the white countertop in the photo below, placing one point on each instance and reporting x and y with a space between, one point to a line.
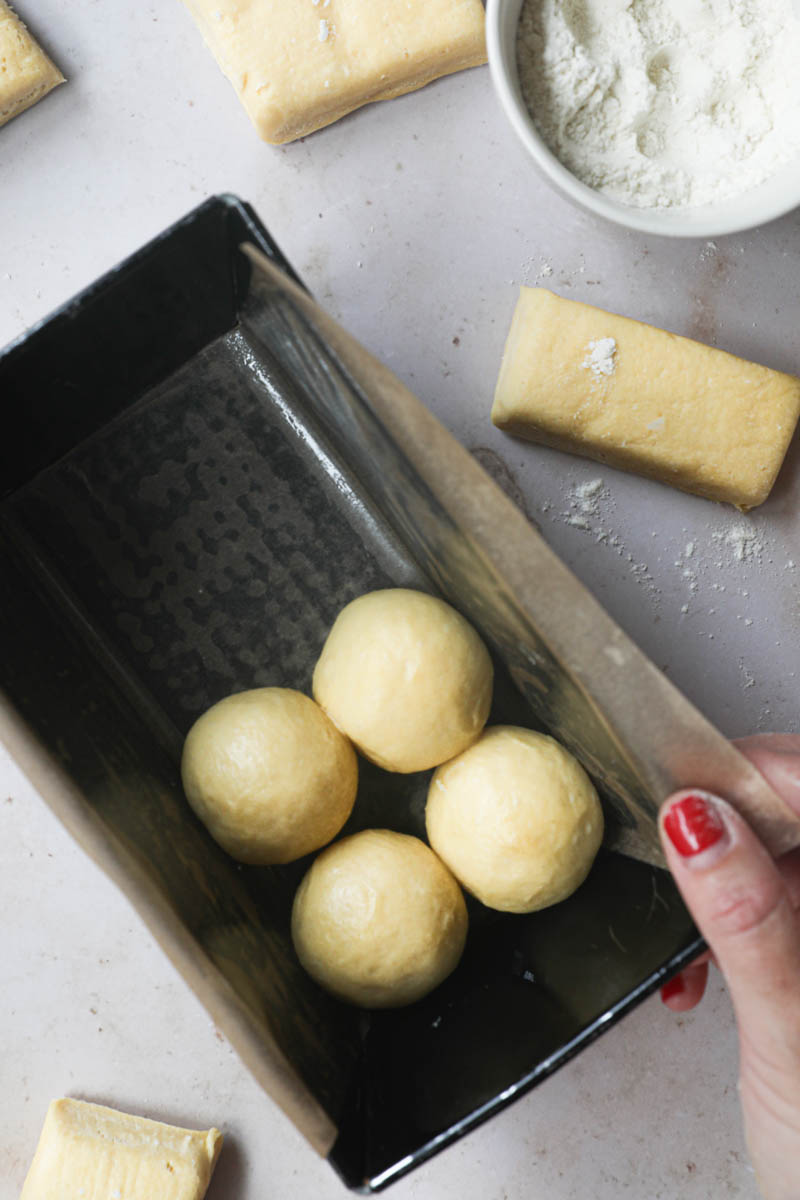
412 222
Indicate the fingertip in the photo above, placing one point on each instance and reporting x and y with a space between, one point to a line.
672 990
694 828
743 907
686 989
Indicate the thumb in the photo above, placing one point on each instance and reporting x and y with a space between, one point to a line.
738 899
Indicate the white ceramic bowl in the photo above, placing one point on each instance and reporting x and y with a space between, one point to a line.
772 199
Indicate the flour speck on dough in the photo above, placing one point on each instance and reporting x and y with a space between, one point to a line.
601 357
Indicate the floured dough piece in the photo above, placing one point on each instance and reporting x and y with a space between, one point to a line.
615 390
26 73
96 1153
298 65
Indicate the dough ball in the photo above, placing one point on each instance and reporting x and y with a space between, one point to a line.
378 920
269 775
516 819
406 677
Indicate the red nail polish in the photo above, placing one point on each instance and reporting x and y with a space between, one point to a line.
693 824
673 987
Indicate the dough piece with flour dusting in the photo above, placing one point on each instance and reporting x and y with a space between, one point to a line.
97 1153
298 65
639 398
26 73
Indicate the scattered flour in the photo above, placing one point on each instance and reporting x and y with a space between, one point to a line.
589 490
584 503
739 544
744 542
589 506
711 563
749 678
664 103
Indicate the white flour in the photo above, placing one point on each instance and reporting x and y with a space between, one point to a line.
744 541
664 103
601 357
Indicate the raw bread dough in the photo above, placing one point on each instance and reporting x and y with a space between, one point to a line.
378 920
516 819
96 1153
26 73
269 775
406 678
624 393
298 65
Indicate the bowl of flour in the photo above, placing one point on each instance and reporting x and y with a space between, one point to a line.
677 117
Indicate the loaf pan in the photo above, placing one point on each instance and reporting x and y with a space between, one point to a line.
195 481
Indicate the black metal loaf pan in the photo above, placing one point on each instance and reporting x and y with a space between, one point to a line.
184 512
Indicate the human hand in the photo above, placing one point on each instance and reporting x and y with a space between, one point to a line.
747 906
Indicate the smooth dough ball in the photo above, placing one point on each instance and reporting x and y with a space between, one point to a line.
406 677
516 819
378 920
269 775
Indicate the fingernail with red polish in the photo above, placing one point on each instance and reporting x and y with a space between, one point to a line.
673 987
693 824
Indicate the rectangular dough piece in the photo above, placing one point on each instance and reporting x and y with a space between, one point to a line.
26 73
297 65
98 1153
639 398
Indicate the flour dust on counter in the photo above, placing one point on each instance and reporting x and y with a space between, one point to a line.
589 507
727 555
714 597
